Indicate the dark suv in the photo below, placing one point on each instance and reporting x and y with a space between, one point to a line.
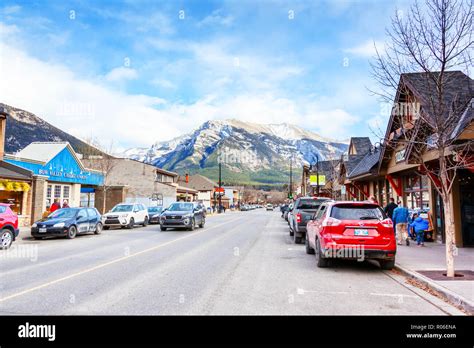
182 215
303 210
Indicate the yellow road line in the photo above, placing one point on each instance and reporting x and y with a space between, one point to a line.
109 263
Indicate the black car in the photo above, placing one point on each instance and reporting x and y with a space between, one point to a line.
182 215
154 214
68 222
302 212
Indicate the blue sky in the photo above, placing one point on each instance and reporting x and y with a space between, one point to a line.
137 72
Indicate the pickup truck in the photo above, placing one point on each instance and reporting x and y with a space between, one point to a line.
302 212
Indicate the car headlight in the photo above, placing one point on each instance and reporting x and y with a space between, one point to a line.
34 225
61 224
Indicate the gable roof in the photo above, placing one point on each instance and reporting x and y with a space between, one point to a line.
199 182
366 164
361 145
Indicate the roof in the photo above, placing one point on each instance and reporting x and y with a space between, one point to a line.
199 182
366 164
466 119
361 145
158 169
352 162
42 151
11 171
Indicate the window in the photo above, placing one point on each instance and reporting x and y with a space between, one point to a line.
14 198
321 211
309 204
57 191
66 190
92 213
356 212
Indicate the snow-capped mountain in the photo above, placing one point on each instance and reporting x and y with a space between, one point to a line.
249 149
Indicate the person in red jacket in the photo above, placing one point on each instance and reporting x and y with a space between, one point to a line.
55 206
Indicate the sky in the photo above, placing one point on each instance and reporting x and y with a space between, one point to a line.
131 73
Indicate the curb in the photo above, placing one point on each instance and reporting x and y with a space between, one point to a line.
448 295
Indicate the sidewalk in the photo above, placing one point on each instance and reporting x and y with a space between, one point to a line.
412 260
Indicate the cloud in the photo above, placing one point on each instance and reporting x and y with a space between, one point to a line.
8 10
365 49
215 18
121 74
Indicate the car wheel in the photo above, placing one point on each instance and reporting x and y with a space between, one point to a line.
145 223
98 228
6 238
387 264
163 228
203 221
193 225
71 232
131 223
322 262
106 227
308 248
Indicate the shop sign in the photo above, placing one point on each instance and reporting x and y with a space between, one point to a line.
313 180
59 174
400 155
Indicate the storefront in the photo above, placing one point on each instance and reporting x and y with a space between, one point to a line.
65 177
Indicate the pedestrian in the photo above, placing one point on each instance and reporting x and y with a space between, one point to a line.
400 219
411 229
65 204
420 225
390 207
46 212
55 206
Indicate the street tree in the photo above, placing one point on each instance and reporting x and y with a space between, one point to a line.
433 38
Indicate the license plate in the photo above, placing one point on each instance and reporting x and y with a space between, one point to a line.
42 230
361 232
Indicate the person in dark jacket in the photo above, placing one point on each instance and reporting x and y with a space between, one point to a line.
390 208
420 225
401 218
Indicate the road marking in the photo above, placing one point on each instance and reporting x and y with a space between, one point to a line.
110 262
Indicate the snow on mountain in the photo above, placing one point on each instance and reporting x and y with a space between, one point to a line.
240 146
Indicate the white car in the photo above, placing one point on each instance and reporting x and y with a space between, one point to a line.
270 206
126 215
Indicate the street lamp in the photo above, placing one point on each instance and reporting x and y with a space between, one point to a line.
317 174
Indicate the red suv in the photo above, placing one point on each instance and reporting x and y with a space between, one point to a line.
351 230
8 226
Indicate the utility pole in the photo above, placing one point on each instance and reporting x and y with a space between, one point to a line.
317 175
220 187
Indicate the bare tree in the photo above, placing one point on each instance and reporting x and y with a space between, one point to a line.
432 39
99 157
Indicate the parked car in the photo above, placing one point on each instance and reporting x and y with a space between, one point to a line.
303 210
68 222
182 215
270 206
361 226
154 214
283 209
244 207
126 215
8 226
287 211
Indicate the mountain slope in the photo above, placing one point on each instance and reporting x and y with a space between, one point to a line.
250 153
23 128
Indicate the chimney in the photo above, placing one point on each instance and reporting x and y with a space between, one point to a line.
3 123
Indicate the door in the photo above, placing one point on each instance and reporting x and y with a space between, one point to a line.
466 189
82 221
93 219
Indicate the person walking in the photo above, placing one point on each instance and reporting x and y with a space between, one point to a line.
420 225
390 207
55 206
400 219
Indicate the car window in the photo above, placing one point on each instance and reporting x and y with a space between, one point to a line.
321 211
92 212
122 208
180 206
309 204
65 213
2 209
357 212
154 209
82 213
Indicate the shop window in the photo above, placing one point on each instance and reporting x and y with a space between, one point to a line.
14 198
66 190
57 191
416 192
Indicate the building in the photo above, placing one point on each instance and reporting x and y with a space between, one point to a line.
404 166
328 183
206 190
128 180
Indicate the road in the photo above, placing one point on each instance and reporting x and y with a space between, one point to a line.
240 263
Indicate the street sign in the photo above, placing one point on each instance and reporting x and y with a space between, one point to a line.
313 180
222 190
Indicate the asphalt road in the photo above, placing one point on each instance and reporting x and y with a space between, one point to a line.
240 263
